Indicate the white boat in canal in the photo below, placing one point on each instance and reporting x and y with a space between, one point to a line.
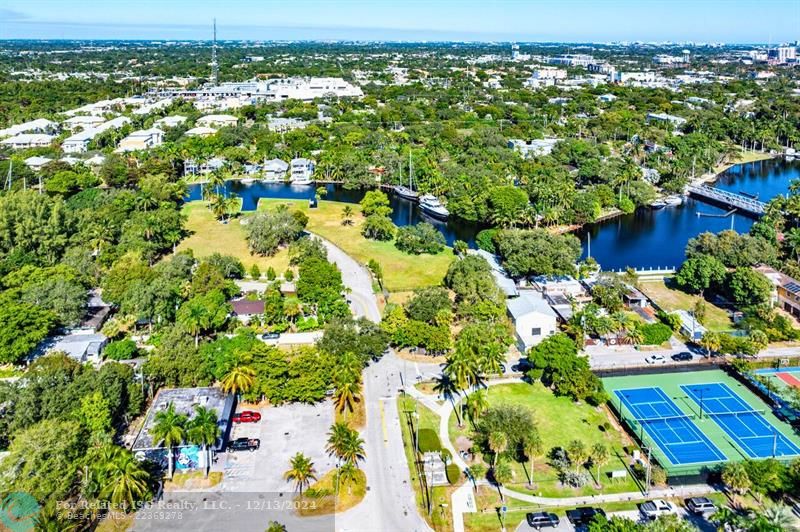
407 192
431 206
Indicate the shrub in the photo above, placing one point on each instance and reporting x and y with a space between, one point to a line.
655 333
271 274
626 205
307 324
429 441
673 321
453 473
485 240
255 272
377 227
575 479
121 350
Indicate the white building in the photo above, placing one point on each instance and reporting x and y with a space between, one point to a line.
533 318
36 162
143 139
85 122
302 170
664 117
217 121
29 140
306 89
549 73
275 170
40 125
607 98
282 125
79 142
170 121
533 148
582 60
201 131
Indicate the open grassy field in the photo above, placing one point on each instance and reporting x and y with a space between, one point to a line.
441 519
209 236
401 271
671 298
585 423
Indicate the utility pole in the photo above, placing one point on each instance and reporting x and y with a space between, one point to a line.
647 476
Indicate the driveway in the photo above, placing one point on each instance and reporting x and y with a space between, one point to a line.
358 280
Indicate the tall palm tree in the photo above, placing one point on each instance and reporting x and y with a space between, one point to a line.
239 379
498 444
123 480
301 472
477 403
348 474
347 392
710 342
353 449
780 517
459 370
532 447
337 439
203 430
599 456
169 430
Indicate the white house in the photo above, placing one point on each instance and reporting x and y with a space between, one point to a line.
141 140
170 121
201 131
40 125
533 148
79 142
29 140
217 121
36 162
302 170
275 170
534 319
664 117
84 122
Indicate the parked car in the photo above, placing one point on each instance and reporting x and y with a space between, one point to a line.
540 520
652 509
786 414
247 416
700 505
656 359
270 336
684 356
244 444
583 516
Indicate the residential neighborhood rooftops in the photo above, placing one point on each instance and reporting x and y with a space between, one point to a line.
528 302
247 307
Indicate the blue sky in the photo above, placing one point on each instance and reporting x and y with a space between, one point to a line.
409 20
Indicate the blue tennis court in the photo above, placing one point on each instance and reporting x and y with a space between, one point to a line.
673 431
751 431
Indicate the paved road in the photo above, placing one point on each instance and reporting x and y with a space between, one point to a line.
389 504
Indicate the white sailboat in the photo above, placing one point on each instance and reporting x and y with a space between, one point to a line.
407 192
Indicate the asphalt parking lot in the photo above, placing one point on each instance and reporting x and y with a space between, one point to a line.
283 431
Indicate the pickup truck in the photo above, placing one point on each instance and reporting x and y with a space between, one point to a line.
244 444
583 515
652 509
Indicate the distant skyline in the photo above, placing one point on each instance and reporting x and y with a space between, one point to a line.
730 21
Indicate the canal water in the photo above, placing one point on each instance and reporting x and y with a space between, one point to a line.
645 239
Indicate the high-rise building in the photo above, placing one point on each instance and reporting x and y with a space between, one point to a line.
214 63
514 52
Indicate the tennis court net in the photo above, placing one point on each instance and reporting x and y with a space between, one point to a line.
742 413
664 419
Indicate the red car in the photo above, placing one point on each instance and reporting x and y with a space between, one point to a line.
248 416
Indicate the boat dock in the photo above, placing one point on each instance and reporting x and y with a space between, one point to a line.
739 202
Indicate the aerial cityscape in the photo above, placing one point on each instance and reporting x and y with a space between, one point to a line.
400 266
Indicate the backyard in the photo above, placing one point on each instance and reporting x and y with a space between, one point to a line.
401 271
670 298
208 235
589 424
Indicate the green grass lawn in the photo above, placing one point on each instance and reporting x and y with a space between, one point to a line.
559 420
208 235
670 383
441 517
401 271
671 298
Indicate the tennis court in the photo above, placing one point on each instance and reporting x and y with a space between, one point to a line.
673 431
751 431
788 379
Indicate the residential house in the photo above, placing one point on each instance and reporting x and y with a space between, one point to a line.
201 131
533 148
143 139
217 121
786 290
506 284
275 170
302 170
245 309
80 347
664 117
40 125
28 140
170 121
83 122
533 318
283 125
36 163
690 326
79 142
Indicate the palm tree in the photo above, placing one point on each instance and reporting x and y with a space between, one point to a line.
735 477
792 241
193 317
502 475
123 480
710 342
576 450
532 447
635 336
348 473
203 430
238 380
301 472
460 369
347 392
337 439
51 519
779 517
497 443
477 403
599 456
353 449
347 214
169 431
